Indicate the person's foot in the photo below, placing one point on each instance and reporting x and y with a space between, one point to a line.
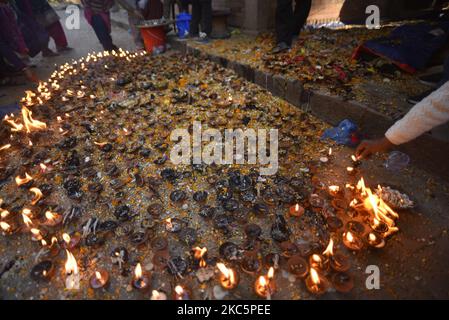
416 99
280 47
49 53
203 38
64 49
431 80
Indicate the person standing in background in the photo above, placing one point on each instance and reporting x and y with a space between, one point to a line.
12 46
201 15
134 19
49 19
289 22
97 13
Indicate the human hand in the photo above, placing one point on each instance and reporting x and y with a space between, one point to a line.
369 147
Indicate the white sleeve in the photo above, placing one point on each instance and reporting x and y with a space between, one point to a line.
427 114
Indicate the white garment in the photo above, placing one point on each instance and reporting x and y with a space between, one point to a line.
424 116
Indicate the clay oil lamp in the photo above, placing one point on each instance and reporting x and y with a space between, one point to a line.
37 195
338 261
342 282
351 171
351 241
173 225
375 240
51 250
379 226
26 181
100 279
36 234
339 204
26 217
319 262
355 227
70 242
141 281
181 293
158 295
43 271
297 266
296 210
7 228
335 191
355 162
272 260
334 223
251 263
289 249
316 284
265 285
229 278
199 254
72 280
52 219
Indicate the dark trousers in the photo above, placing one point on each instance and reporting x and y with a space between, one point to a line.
103 33
201 14
289 22
445 72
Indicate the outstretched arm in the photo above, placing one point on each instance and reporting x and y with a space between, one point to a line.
424 116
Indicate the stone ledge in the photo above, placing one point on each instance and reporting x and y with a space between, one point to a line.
425 152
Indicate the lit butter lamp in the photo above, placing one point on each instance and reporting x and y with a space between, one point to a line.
338 261
7 228
52 219
375 240
141 281
265 285
72 280
158 295
100 279
181 293
229 278
316 283
71 242
296 210
351 241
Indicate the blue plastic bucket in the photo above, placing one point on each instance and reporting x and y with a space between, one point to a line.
183 24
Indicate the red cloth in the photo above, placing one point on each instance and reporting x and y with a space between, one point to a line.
9 30
56 31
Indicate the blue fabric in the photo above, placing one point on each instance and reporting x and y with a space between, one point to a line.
183 24
344 134
412 45
8 109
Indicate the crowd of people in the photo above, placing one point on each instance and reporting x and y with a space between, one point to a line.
26 27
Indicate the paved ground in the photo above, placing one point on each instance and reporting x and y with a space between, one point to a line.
83 41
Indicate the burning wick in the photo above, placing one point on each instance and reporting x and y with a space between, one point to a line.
228 278
334 190
350 170
141 281
199 254
351 241
158 295
100 279
181 293
338 261
21 181
6 227
72 281
26 213
316 283
37 195
318 261
6 146
36 234
71 242
296 210
375 241
264 285
53 219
